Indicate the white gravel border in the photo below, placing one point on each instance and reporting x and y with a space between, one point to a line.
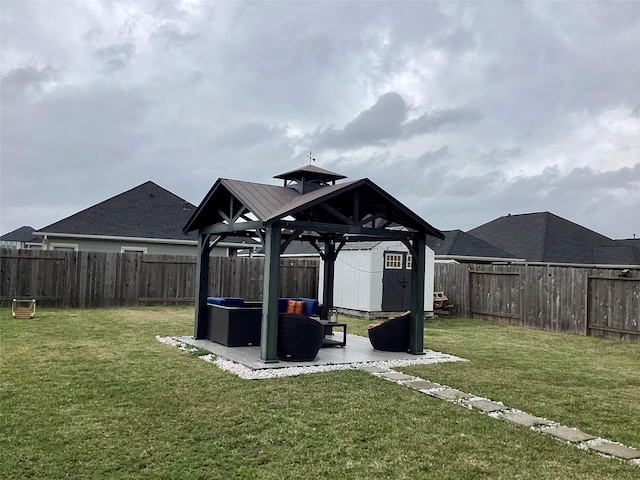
247 373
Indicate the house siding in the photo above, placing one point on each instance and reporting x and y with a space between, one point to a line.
115 246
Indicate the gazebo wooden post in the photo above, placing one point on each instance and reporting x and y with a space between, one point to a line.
328 278
416 333
202 286
270 294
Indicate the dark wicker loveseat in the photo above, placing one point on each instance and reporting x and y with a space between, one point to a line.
234 322
392 335
299 337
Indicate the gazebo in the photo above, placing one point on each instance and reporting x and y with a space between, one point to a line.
311 206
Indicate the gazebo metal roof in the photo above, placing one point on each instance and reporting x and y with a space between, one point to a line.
312 207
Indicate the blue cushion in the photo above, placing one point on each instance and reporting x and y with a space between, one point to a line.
311 307
282 305
227 302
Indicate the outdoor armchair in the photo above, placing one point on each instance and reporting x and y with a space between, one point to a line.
299 337
392 335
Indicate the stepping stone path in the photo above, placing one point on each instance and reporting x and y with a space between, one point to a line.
500 411
486 406
568 434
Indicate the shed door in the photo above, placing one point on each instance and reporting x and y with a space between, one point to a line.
396 282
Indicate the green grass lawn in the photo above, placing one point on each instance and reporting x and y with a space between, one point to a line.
92 394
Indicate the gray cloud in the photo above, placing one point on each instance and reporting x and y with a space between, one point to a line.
24 79
386 121
115 57
463 110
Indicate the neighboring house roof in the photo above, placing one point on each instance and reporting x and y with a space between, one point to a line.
632 242
459 244
547 238
22 234
145 211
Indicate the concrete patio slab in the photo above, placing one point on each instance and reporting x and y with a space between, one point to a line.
450 394
358 350
522 418
486 406
620 451
568 434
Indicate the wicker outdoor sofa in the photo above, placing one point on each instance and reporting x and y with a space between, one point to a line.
235 323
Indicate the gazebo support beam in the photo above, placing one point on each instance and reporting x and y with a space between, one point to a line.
270 293
202 286
329 278
416 333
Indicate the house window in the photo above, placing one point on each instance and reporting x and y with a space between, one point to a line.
393 261
409 262
64 247
125 249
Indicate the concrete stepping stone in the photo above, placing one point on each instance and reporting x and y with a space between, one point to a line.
450 394
620 451
486 406
522 418
568 434
396 376
373 369
423 385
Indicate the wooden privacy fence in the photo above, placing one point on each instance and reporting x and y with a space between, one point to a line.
93 279
585 301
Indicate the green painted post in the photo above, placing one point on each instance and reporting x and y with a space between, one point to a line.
270 294
202 287
416 334
329 278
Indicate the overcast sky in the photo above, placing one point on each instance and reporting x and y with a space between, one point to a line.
464 111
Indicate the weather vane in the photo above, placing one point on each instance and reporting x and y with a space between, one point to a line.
311 159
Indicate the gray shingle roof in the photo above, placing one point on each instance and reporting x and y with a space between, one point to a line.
460 244
545 237
22 234
146 211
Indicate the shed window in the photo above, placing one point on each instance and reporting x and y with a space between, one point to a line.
393 261
409 262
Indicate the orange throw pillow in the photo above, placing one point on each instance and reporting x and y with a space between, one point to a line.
300 307
291 306
296 307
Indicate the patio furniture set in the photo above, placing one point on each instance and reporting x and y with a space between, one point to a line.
301 332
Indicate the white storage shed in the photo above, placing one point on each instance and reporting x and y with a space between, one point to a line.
374 278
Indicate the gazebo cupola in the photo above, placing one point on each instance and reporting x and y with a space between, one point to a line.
309 178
